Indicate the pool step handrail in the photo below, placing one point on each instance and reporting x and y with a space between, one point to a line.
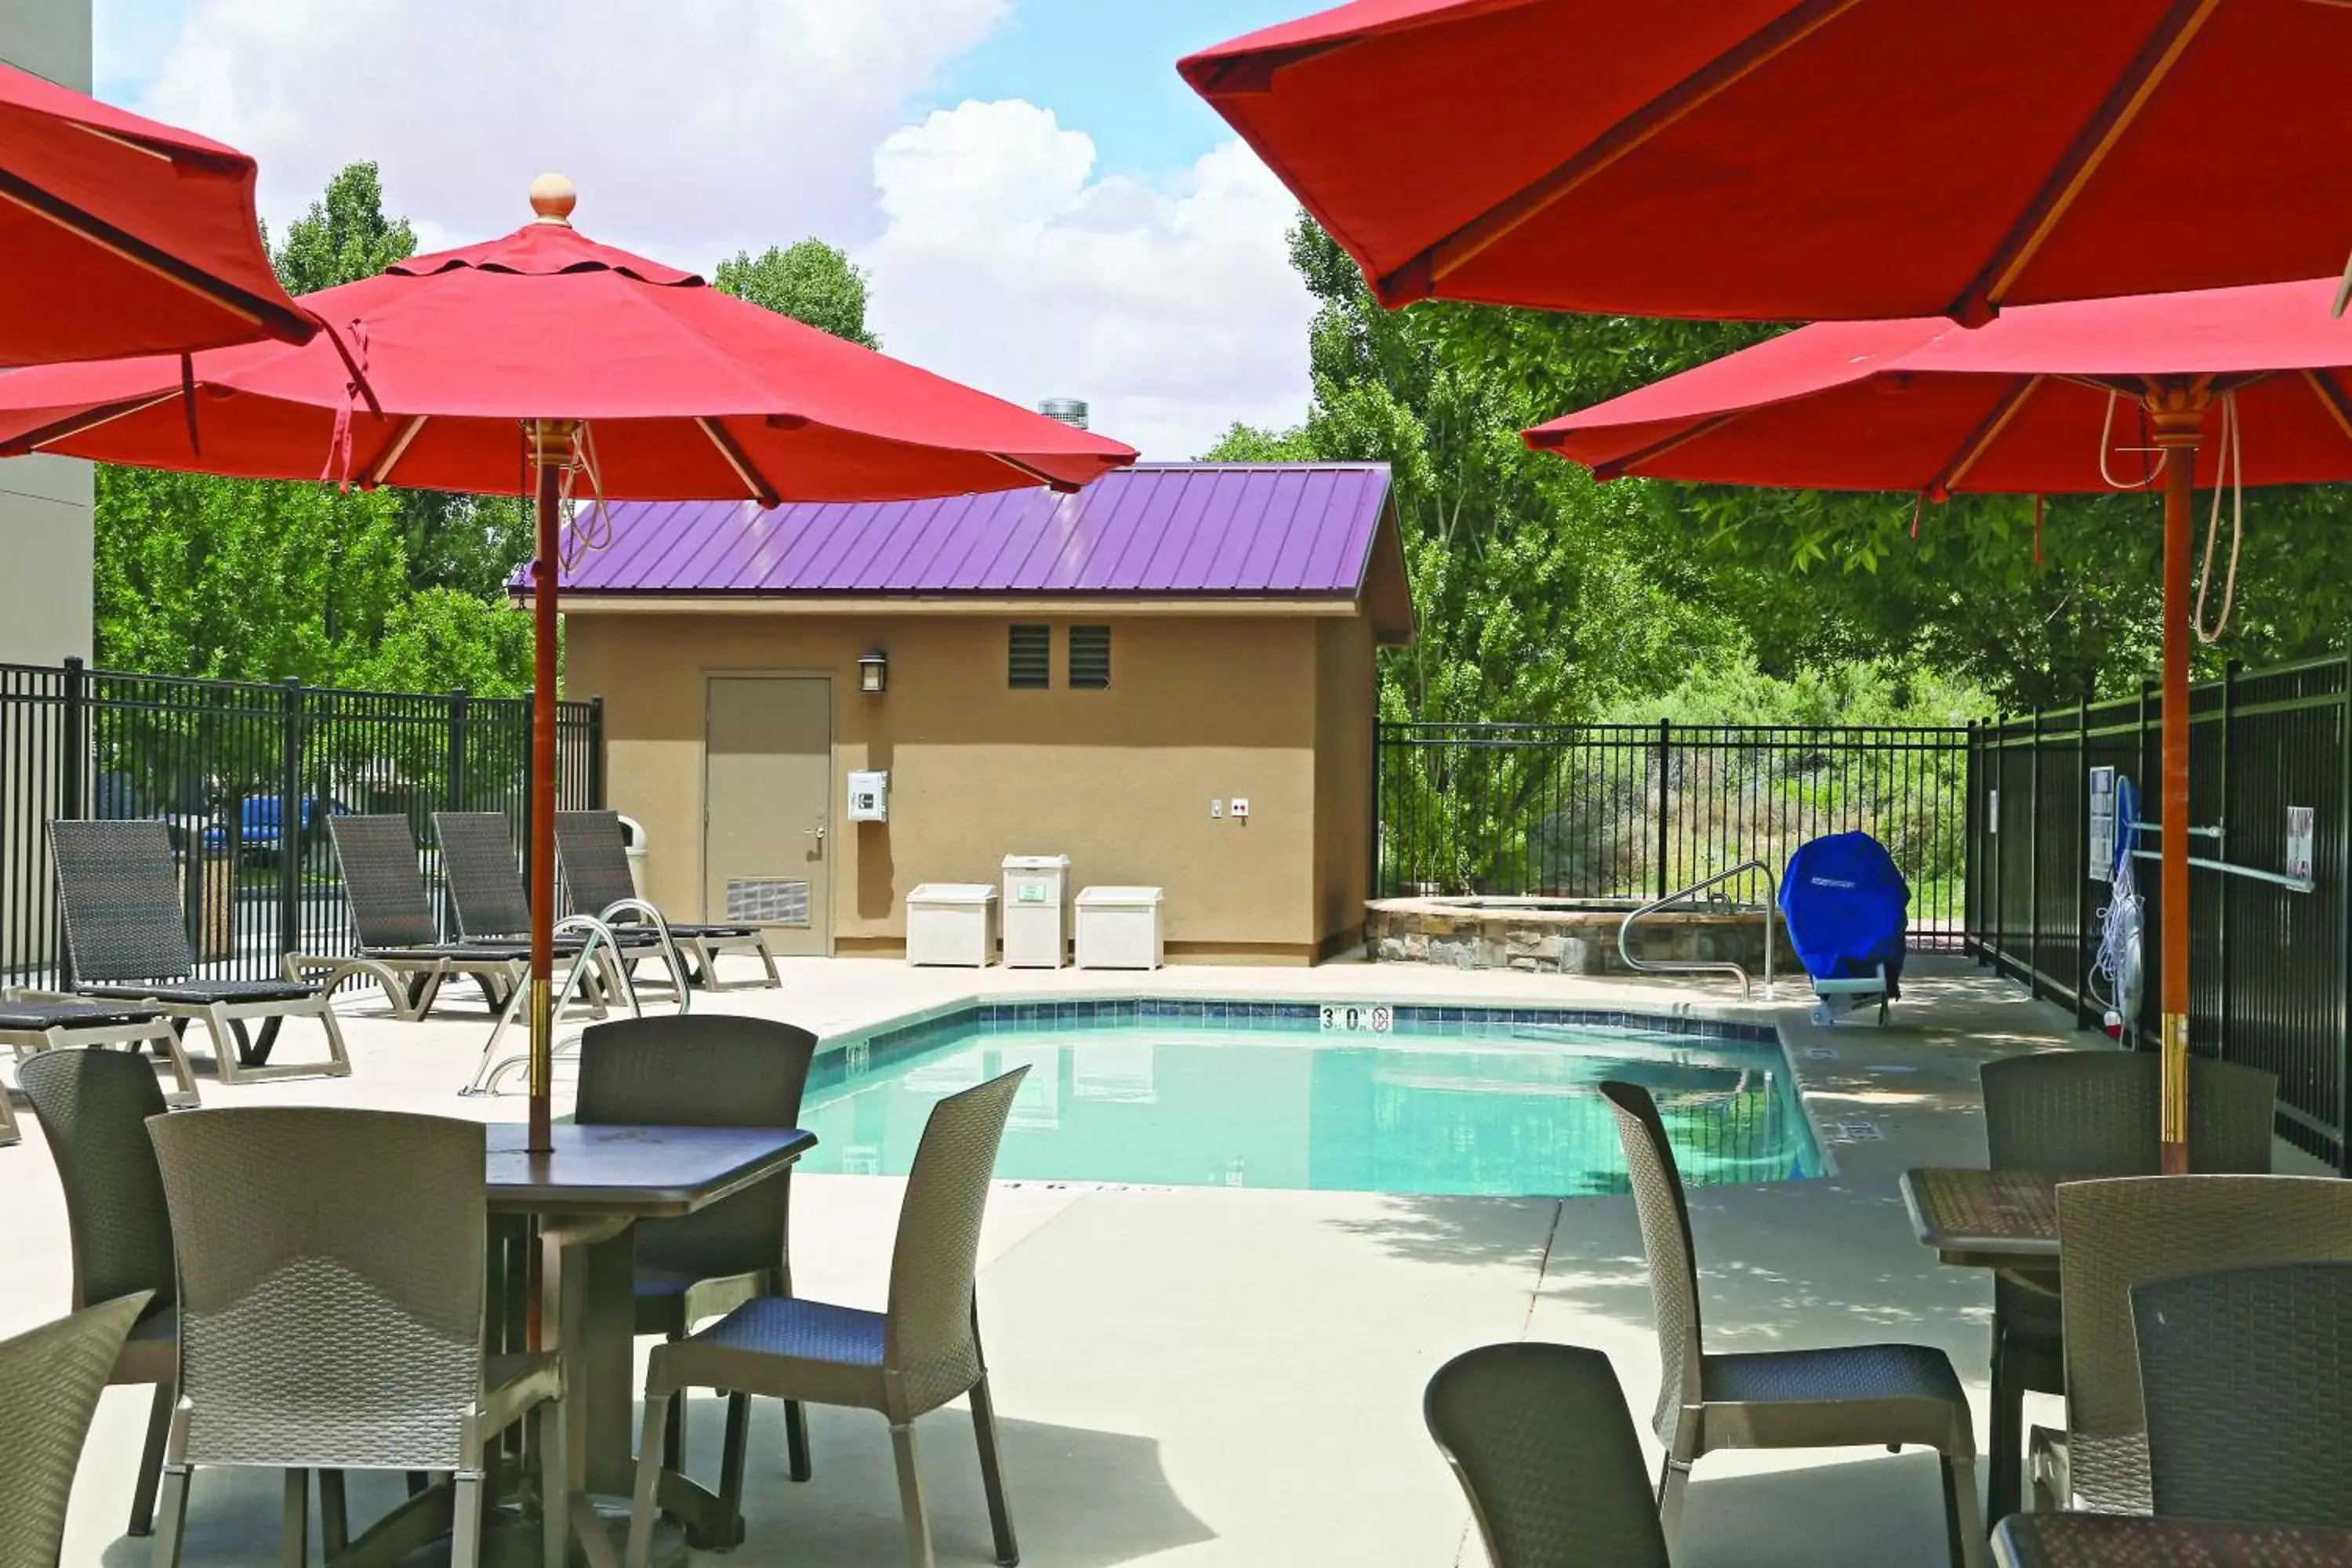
1709 966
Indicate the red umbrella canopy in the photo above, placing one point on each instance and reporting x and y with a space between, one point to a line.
686 393
1806 159
120 236
2048 398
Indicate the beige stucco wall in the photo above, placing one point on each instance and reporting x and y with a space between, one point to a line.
1199 709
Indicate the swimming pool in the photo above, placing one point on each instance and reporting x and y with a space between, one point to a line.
1195 1093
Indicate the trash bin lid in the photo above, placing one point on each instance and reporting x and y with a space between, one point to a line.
1036 862
1097 898
953 893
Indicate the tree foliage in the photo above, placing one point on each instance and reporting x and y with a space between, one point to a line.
811 281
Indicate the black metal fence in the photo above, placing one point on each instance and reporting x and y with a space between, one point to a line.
2269 976
246 775
1622 811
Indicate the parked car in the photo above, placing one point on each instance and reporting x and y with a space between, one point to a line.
258 817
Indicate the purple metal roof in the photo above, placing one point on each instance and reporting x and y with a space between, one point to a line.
1255 529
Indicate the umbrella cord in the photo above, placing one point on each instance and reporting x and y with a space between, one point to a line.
581 538
2106 434
2232 458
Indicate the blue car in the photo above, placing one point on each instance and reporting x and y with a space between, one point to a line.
258 824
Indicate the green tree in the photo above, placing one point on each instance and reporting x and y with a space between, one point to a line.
344 237
810 281
442 639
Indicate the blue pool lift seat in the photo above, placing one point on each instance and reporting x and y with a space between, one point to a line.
1847 908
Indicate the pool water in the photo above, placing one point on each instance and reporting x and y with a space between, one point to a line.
1493 1106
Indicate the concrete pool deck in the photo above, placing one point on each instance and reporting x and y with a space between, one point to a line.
1207 1376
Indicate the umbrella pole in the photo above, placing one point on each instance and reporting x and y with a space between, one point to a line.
550 451
2177 412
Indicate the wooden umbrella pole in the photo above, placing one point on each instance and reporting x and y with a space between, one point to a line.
2176 413
550 452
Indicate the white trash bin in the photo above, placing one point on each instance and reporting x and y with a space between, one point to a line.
1121 928
951 924
1036 890
633 836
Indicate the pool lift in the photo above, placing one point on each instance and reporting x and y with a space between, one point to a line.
2116 972
1847 907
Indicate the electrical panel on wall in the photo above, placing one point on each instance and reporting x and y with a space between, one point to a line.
870 794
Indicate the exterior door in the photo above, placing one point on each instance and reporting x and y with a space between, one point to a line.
768 808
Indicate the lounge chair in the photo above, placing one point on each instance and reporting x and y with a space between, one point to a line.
1841 1396
93 1107
126 941
52 1378
488 895
400 947
594 857
1541 1439
913 1357
36 1021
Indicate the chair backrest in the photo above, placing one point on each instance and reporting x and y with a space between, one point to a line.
1666 1242
119 894
50 1383
93 1106
1539 1437
391 906
486 888
2116 1234
594 857
2247 1377
2094 1114
330 1284
705 1069
928 1349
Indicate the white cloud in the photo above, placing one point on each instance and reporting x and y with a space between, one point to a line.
691 127
1003 262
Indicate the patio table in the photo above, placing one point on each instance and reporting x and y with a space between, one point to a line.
2111 1541
587 1193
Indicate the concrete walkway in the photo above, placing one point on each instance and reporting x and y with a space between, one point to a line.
1205 1376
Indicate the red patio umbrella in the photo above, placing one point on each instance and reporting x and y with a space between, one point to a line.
599 374
120 236
1806 159
2048 398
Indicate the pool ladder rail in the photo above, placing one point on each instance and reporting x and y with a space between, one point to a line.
1709 966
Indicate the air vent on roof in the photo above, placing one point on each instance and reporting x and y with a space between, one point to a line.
1030 658
1089 659
1071 411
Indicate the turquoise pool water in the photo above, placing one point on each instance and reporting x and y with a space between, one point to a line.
1485 1100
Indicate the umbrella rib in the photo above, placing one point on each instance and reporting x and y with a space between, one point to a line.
1414 278
1617 468
1059 487
87 419
2332 398
291 326
1981 439
378 470
2115 116
740 461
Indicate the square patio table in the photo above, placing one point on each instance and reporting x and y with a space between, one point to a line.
588 1192
2111 1540
1988 1219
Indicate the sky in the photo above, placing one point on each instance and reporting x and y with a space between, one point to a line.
1040 206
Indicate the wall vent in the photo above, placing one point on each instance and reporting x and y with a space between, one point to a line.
1029 658
1090 659
768 901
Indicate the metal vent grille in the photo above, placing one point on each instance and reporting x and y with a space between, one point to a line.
768 901
1090 657
1030 658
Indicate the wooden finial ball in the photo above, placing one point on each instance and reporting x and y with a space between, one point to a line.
553 198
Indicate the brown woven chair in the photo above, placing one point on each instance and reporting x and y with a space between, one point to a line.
913 1357
2247 1377
488 895
50 1383
330 1267
1839 1397
709 1071
2094 1114
2117 1234
93 1107
594 855
1541 1439
126 940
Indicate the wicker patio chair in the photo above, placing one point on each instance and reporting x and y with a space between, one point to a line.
1541 1439
93 1107
126 940
711 1070
594 855
331 1302
913 1357
50 1383
1837 1397
488 895
2247 1377
2094 1114
400 946
34 1021
2120 1233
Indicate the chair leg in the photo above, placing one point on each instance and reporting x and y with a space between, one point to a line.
334 1515
1963 1525
171 1516
991 1476
911 1497
151 1457
732 1456
466 1521
294 1526
182 1074
226 1041
2005 1472
1670 1499
674 1439
554 1477
796 1441
339 1060
642 1511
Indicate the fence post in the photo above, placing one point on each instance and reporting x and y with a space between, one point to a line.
2033 970
73 771
2344 924
2222 852
454 785
529 768
1971 824
1372 824
1666 765
2081 856
290 817
2151 939
596 753
1997 774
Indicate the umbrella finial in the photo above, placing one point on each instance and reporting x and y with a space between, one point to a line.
552 197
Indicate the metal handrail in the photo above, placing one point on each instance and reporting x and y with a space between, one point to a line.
636 906
493 1067
1716 966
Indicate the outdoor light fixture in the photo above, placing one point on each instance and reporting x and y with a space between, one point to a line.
873 671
